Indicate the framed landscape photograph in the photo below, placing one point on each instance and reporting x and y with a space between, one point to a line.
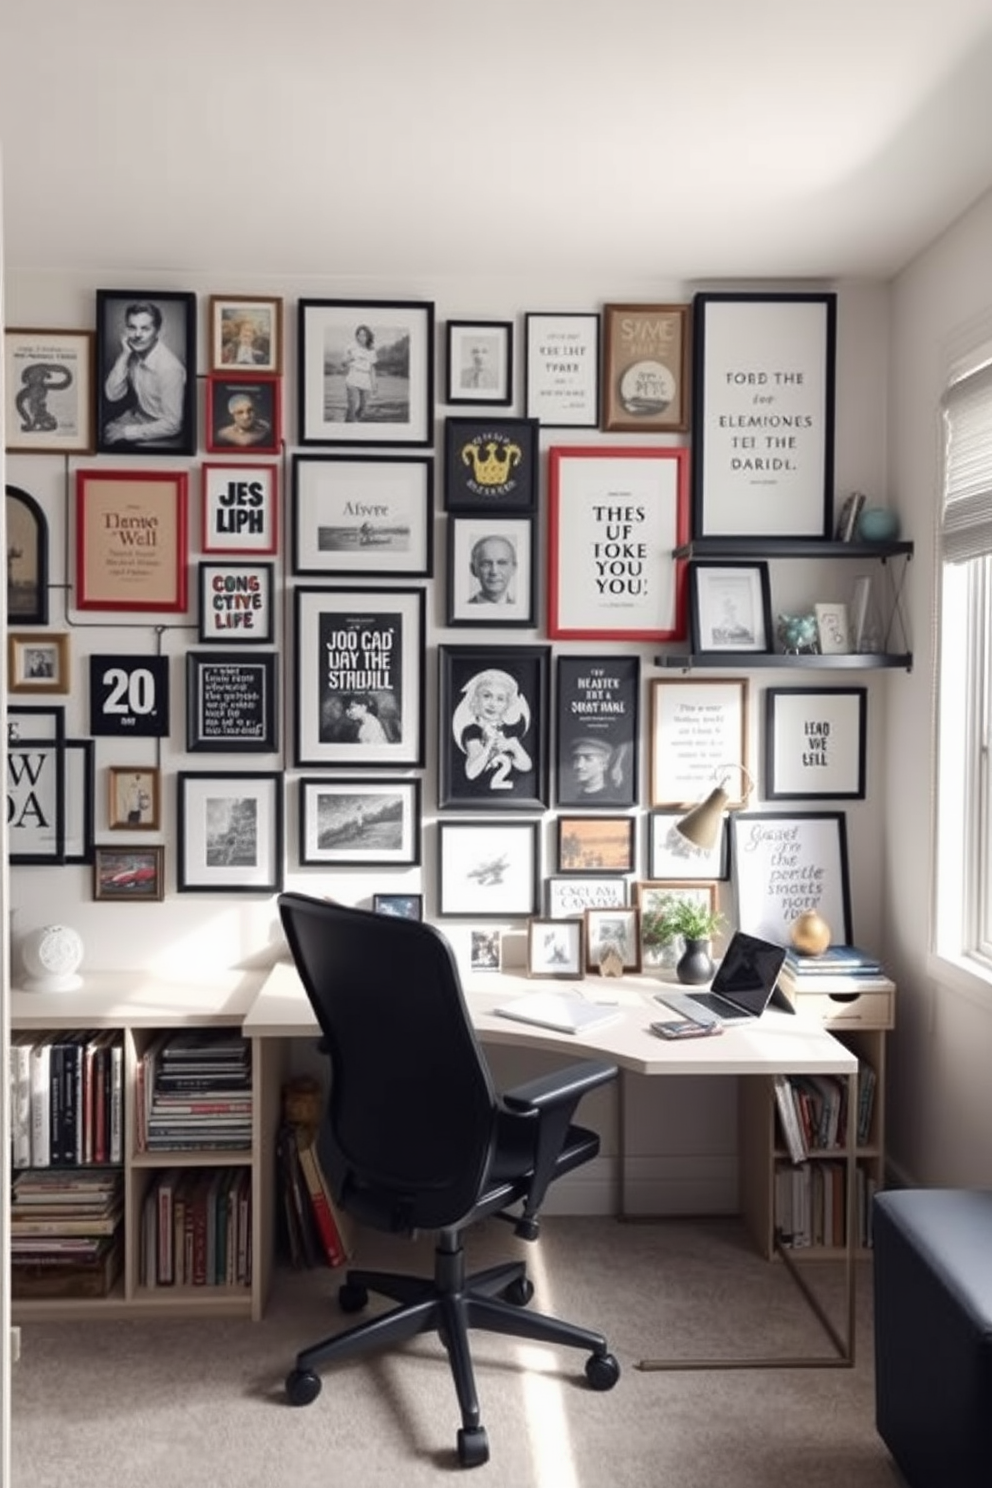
730 607
491 571
366 371
359 693
785 863
493 736
597 731
363 515
490 465
615 519
646 368
698 731
237 602
488 870
671 856
570 897
27 559
596 844
561 369
134 798
616 928
230 837
49 404
240 508
556 948
400 906
38 661
232 702
359 823
131 543
245 333
815 742
243 413
145 372
131 875
479 361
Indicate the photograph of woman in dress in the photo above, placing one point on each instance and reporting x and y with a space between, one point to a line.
360 360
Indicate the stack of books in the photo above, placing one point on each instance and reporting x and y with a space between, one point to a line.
840 968
194 1092
314 1230
66 1230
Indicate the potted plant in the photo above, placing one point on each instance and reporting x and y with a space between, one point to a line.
690 920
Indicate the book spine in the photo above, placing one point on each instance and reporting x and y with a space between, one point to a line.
41 1105
789 1119
20 1104
116 1102
326 1227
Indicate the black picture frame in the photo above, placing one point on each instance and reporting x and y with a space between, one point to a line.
786 862
229 831
479 361
492 571
166 318
359 822
597 731
730 607
80 784
232 702
237 601
488 870
129 696
601 845
400 906
493 732
27 559
562 368
244 414
816 743
490 465
35 785
363 516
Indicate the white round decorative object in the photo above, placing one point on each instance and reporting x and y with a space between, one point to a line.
51 958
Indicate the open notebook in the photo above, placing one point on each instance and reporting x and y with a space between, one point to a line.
564 1011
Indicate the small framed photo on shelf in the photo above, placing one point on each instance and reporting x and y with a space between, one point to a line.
568 898
493 745
698 732
671 856
491 571
131 875
479 361
556 948
596 844
237 602
815 742
230 836
615 928
37 661
486 950
243 413
730 607
488 869
368 516
245 333
359 823
400 906
561 381
833 629
131 549
490 465
145 372
232 702
134 801
240 508
49 403
27 559
646 368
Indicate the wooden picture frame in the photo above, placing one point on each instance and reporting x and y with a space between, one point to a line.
479 361
129 875
784 863
27 559
556 949
146 372
492 572
670 856
596 844
38 661
129 695
493 735
134 798
232 702
237 602
653 896
245 333
400 906
597 731
48 400
730 607
131 543
359 655
568 897
619 928
763 414
366 371
491 465
230 832
697 731
243 414
616 516
36 818
363 516
487 869
359 822
561 369
239 508
646 369
815 742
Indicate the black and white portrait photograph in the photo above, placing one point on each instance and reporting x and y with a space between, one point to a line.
243 414
359 823
366 372
597 706
486 950
480 361
146 372
493 745
230 831
491 576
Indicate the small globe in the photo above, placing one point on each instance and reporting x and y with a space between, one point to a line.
51 958
810 933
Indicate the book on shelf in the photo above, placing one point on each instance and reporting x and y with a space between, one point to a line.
835 959
847 983
847 519
789 1119
69 1273
320 1201
20 1100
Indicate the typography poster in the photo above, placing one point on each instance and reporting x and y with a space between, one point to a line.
597 730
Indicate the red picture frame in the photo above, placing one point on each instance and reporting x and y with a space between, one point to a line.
131 540
254 427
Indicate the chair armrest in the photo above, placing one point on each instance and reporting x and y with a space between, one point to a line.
569 1084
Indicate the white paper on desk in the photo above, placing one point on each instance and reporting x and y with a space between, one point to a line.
562 1011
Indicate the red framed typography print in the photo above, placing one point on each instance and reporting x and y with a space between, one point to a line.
131 540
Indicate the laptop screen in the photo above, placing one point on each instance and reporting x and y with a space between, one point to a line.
748 972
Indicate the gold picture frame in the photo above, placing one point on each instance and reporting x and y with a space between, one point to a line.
645 383
37 661
134 798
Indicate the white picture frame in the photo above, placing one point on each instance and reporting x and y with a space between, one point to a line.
730 607
833 628
568 897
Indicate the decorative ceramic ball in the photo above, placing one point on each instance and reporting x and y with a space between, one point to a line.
51 958
810 933
878 524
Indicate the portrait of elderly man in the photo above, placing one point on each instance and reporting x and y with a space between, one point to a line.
493 562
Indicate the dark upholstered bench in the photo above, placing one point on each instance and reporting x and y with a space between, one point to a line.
933 1334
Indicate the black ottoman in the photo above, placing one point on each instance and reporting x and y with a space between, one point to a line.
933 1334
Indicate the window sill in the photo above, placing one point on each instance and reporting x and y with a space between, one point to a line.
961 975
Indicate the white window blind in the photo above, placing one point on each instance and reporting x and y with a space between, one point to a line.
966 526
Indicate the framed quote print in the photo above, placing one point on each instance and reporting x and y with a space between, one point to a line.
698 734
131 540
786 863
646 368
561 382
240 508
368 516
49 404
35 785
815 742
597 709
237 602
232 701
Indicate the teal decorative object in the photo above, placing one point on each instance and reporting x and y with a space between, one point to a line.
878 524
798 634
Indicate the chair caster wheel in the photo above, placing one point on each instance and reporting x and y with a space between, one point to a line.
602 1371
351 1297
519 1292
473 1446
302 1387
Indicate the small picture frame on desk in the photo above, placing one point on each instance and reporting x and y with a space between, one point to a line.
556 948
486 950
616 928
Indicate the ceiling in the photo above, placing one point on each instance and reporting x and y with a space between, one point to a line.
628 139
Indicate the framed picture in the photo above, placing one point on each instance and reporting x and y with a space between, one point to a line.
698 729
366 372
78 758
363 515
486 950
245 332
400 906
479 361
240 508
493 735
237 602
616 928
730 607
671 856
232 702
763 414
35 785
658 897
561 382
134 801
48 377
596 844
597 730
616 517
815 742
359 695
146 371
785 863
568 898
491 571
646 368
27 559
359 823
129 696
230 835
488 870
134 875
131 540
556 948
490 465
243 413
38 661
833 629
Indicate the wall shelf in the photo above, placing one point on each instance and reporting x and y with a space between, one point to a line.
790 547
691 661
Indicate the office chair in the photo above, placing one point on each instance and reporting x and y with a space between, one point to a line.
416 1138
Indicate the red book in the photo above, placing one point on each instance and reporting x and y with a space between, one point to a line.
326 1226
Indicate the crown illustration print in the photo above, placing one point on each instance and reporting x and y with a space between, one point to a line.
499 460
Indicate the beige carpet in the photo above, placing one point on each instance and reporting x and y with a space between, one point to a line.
184 1404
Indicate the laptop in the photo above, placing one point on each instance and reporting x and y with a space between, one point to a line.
563 1011
742 988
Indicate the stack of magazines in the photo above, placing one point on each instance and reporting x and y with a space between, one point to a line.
838 968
